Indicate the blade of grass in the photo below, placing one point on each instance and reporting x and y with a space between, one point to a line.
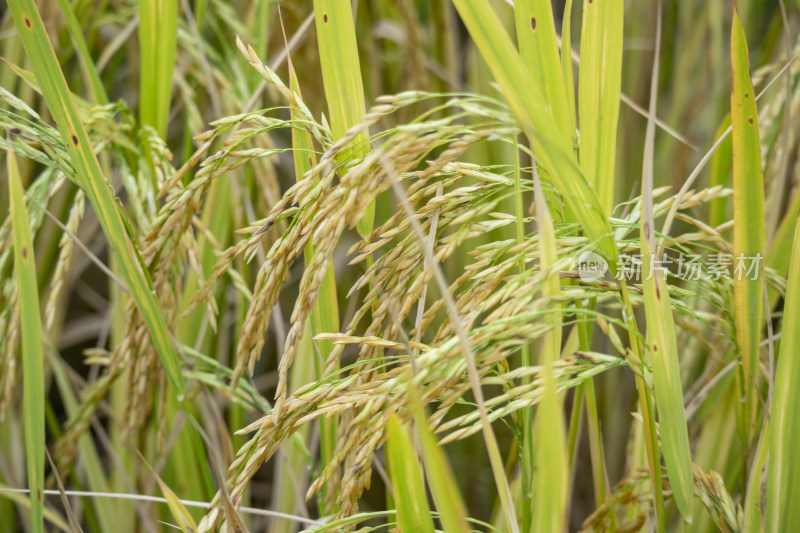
550 455
599 83
158 25
90 178
552 479
413 513
341 76
33 390
554 149
566 66
748 224
587 389
445 491
756 491
344 92
661 340
539 50
536 34
783 474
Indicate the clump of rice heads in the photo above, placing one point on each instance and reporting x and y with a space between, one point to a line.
476 265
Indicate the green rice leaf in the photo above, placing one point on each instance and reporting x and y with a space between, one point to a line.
445 491
756 492
599 81
413 513
566 66
158 37
663 346
341 76
783 475
550 499
551 489
34 396
538 48
749 234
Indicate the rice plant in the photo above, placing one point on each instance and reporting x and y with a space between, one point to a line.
405 265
